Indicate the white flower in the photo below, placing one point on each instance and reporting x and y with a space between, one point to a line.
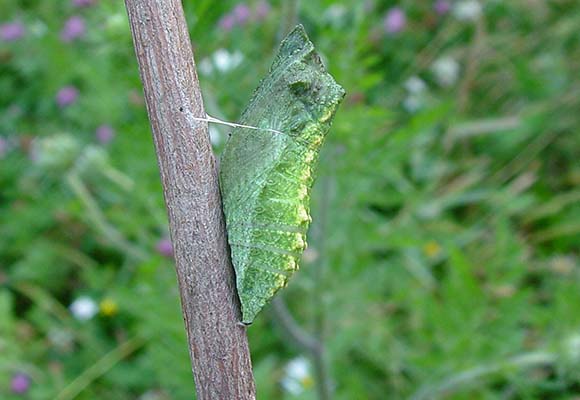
335 11
61 338
310 255
152 395
205 66
335 14
572 348
38 28
446 71
55 152
415 85
415 99
563 264
93 158
467 10
225 61
429 211
413 103
297 377
84 308
116 22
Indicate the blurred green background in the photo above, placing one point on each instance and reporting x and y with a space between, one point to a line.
443 256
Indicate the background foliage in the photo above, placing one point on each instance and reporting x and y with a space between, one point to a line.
443 258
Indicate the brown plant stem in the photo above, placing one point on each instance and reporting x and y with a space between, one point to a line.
218 345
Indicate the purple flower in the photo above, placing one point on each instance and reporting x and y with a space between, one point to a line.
11 31
262 10
83 3
104 134
74 28
441 7
20 383
241 13
67 96
395 20
227 22
164 247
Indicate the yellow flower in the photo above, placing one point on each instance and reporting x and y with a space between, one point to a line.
108 307
431 249
307 381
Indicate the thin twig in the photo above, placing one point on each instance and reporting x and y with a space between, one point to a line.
300 338
311 344
290 16
306 343
324 381
473 60
98 369
99 222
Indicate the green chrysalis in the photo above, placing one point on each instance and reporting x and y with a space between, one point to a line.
266 175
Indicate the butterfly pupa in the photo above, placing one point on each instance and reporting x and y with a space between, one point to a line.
266 174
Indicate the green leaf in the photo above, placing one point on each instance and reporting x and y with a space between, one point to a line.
266 176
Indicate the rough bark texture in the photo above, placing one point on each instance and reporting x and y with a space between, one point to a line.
218 344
